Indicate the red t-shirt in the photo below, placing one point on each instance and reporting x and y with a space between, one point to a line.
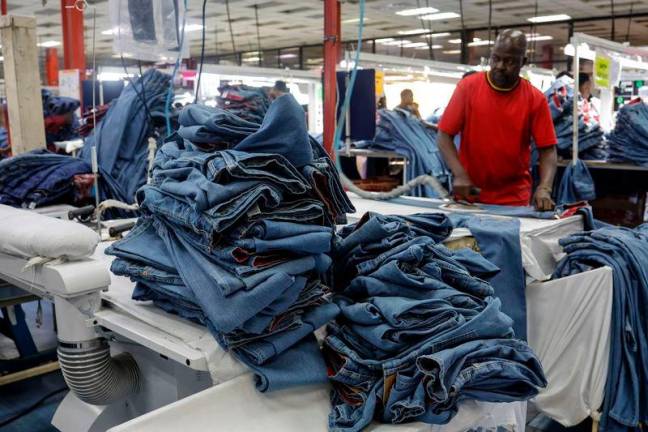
496 129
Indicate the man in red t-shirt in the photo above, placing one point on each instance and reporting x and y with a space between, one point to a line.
497 114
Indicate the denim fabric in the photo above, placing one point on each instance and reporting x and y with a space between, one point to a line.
121 138
249 103
576 185
403 133
591 145
626 252
38 178
499 243
418 331
628 142
240 240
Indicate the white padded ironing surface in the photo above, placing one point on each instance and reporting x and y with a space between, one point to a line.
235 406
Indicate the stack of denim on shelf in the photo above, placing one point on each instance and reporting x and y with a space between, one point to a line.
625 406
121 138
249 103
4 143
576 184
420 330
401 132
591 145
238 239
55 106
38 178
628 141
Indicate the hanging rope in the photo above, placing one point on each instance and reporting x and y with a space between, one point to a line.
613 20
627 37
533 34
490 20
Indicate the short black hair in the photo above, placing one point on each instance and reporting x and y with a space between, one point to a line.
583 78
565 73
406 91
281 86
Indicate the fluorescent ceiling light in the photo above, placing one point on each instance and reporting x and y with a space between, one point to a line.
417 11
1 58
109 32
354 20
436 35
441 16
454 41
411 32
452 52
397 42
480 43
433 47
251 59
125 55
383 40
539 38
415 45
192 27
549 18
49 44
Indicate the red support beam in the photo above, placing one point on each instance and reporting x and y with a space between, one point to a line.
73 37
3 7
332 54
51 66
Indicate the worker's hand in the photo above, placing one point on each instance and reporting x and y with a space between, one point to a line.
464 189
542 199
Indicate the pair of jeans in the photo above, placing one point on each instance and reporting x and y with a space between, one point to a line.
626 252
249 103
627 142
576 184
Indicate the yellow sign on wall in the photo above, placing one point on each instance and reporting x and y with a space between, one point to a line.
602 71
380 83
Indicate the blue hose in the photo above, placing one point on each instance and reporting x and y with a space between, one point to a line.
167 105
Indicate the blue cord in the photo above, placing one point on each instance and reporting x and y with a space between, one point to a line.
167 105
349 90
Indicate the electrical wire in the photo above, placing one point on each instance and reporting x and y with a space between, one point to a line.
613 20
229 22
167 104
31 408
258 33
202 52
427 28
533 33
627 38
490 20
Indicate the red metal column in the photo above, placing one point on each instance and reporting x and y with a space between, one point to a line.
51 66
332 53
73 38
3 7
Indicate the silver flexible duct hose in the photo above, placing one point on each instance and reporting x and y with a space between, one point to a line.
396 192
94 376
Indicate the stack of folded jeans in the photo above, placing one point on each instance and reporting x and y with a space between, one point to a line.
401 132
248 103
625 405
38 178
239 240
420 330
628 141
591 145
61 121
4 143
121 138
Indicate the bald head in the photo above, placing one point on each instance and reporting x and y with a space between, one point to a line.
507 58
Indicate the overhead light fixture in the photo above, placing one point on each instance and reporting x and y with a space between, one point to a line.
549 18
539 38
433 47
397 42
454 41
480 43
452 52
417 11
287 56
49 44
412 32
109 32
441 16
415 45
125 55
354 20
383 40
1 58
192 27
251 59
436 35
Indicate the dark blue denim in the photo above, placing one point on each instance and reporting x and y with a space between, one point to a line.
499 243
576 185
628 142
626 252
121 138
38 178
419 331
249 103
403 133
213 128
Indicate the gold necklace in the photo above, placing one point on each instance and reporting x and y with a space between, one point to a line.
499 88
